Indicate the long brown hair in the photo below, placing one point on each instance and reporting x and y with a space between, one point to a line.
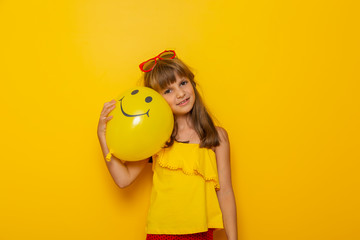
163 75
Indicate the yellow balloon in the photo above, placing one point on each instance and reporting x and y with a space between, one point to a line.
142 122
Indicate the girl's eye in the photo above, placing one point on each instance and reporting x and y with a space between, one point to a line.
183 83
167 91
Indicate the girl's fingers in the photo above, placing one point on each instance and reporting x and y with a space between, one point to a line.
108 107
109 104
109 118
112 102
107 110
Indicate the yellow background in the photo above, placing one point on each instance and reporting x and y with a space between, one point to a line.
281 76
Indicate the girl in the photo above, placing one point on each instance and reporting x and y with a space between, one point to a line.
192 193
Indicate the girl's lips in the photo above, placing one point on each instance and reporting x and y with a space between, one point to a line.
183 102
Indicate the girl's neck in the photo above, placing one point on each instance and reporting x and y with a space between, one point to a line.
183 122
185 130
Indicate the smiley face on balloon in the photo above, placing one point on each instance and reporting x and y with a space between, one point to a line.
148 99
142 122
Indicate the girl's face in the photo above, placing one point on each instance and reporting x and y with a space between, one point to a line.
179 95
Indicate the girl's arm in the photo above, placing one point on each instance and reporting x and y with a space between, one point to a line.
226 194
122 173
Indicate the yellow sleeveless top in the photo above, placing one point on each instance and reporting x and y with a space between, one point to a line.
183 197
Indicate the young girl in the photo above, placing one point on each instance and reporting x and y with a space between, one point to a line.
192 193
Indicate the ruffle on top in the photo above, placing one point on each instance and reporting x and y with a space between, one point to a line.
191 160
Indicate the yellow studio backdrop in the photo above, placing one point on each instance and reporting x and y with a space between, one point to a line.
281 76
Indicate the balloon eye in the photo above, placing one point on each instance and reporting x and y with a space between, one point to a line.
148 99
134 92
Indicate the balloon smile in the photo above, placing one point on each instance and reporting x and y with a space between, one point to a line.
129 115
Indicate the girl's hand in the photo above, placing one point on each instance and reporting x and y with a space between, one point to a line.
104 118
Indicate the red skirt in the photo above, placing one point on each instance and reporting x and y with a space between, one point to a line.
195 236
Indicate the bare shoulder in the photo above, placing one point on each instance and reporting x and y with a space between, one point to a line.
224 147
223 135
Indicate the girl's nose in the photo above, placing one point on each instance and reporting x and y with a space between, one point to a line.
180 94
